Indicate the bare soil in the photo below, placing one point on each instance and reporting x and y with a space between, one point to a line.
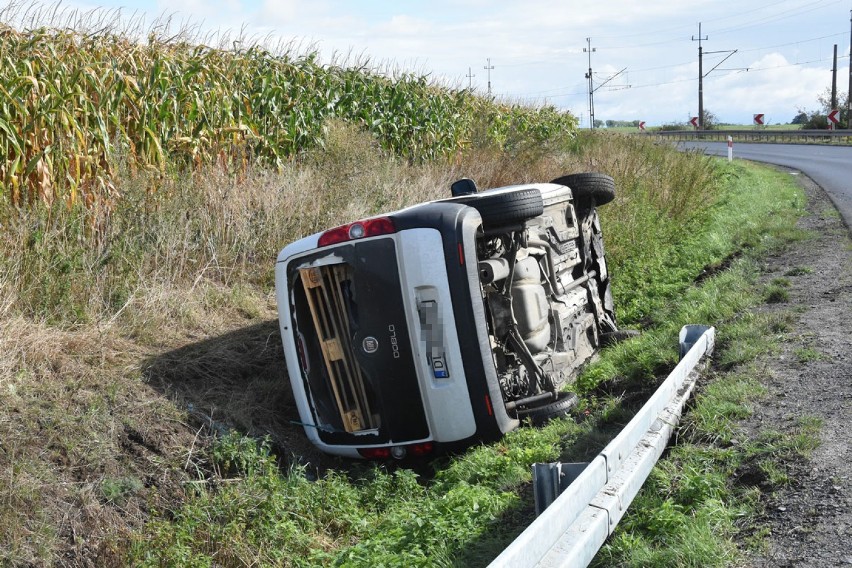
810 519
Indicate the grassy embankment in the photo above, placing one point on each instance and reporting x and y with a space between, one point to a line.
708 488
467 508
134 334
109 461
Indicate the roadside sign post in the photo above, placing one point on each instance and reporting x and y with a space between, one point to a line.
642 126
758 120
694 122
730 148
833 119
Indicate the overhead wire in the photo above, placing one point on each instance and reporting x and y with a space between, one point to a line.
676 65
690 25
556 95
797 11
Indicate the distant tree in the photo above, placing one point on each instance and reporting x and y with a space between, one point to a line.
842 104
598 123
710 121
610 123
800 118
818 119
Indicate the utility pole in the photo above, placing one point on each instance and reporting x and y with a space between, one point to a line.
849 92
488 67
470 77
699 39
834 81
702 74
589 50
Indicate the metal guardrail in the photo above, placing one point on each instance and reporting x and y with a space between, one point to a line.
571 530
759 135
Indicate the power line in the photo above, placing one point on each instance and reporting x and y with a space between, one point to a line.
779 16
752 70
533 94
792 43
797 11
685 26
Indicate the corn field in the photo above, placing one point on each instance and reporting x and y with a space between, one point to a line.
76 107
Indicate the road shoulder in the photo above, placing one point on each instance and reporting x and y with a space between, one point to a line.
810 379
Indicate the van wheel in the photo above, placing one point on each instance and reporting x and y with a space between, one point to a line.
589 186
500 209
540 415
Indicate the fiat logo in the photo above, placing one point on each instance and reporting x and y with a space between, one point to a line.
370 344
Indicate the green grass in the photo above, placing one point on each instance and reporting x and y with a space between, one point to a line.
134 343
799 271
695 502
808 354
375 516
709 487
776 294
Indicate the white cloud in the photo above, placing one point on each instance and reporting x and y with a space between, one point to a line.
216 13
403 25
536 47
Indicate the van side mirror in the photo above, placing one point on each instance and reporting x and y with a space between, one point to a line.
464 186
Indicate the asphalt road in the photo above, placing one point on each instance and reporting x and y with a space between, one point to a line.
828 166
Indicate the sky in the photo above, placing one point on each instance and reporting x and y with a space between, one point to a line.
644 56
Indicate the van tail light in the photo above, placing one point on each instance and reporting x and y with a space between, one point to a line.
375 453
420 450
357 230
386 452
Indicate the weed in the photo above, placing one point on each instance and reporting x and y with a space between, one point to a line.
775 474
719 405
119 490
775 294
806 440
807 354
799 271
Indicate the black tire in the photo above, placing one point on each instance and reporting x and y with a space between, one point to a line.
540 415
599 187
505 208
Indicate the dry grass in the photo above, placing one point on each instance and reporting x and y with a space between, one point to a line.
75 420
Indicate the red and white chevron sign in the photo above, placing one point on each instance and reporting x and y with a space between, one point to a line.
642 125
758 119
834 117
694 121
